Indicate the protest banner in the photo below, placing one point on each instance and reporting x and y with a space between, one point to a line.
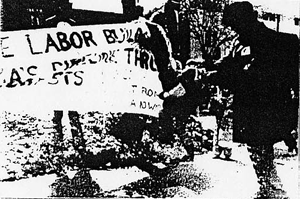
81 68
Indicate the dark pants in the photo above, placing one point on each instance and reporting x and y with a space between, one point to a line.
173 120
263 163
290 140
262 158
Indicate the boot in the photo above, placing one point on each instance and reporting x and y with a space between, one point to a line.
189 147
270 184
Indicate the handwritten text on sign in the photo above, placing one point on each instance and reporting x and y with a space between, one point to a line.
97 67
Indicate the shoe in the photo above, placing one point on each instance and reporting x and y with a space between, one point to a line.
188 158
270 188
292 151
172 163
157 172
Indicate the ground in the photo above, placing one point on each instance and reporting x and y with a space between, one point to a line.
205 177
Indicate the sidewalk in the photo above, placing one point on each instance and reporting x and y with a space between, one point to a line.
237 178
224 179
220 178
234 178
39 187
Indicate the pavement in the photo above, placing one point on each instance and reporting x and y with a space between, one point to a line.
211 177
205 177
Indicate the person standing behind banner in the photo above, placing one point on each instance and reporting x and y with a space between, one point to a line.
168 19
175 109
261 72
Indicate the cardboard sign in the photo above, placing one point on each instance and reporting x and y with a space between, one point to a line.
83 68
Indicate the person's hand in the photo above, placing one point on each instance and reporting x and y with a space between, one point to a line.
163 95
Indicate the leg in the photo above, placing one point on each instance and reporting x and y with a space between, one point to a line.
290 141
262 158
185 137
166 123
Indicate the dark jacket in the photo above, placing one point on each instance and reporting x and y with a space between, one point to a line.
160 46
263 108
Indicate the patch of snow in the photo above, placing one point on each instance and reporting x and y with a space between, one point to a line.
113 179
37 187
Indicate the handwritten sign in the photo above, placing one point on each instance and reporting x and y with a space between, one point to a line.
82 68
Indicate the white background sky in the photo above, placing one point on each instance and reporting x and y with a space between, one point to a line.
151 4
285 7
114 5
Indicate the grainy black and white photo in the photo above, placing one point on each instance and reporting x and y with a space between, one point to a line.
149 99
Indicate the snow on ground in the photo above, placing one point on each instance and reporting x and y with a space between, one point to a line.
36 187
229 179
39 187
237 178
287 169
232 179
113 179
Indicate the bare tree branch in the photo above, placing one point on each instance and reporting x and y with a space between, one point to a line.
205 17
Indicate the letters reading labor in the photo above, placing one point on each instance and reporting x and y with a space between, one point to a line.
60 42
66 42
